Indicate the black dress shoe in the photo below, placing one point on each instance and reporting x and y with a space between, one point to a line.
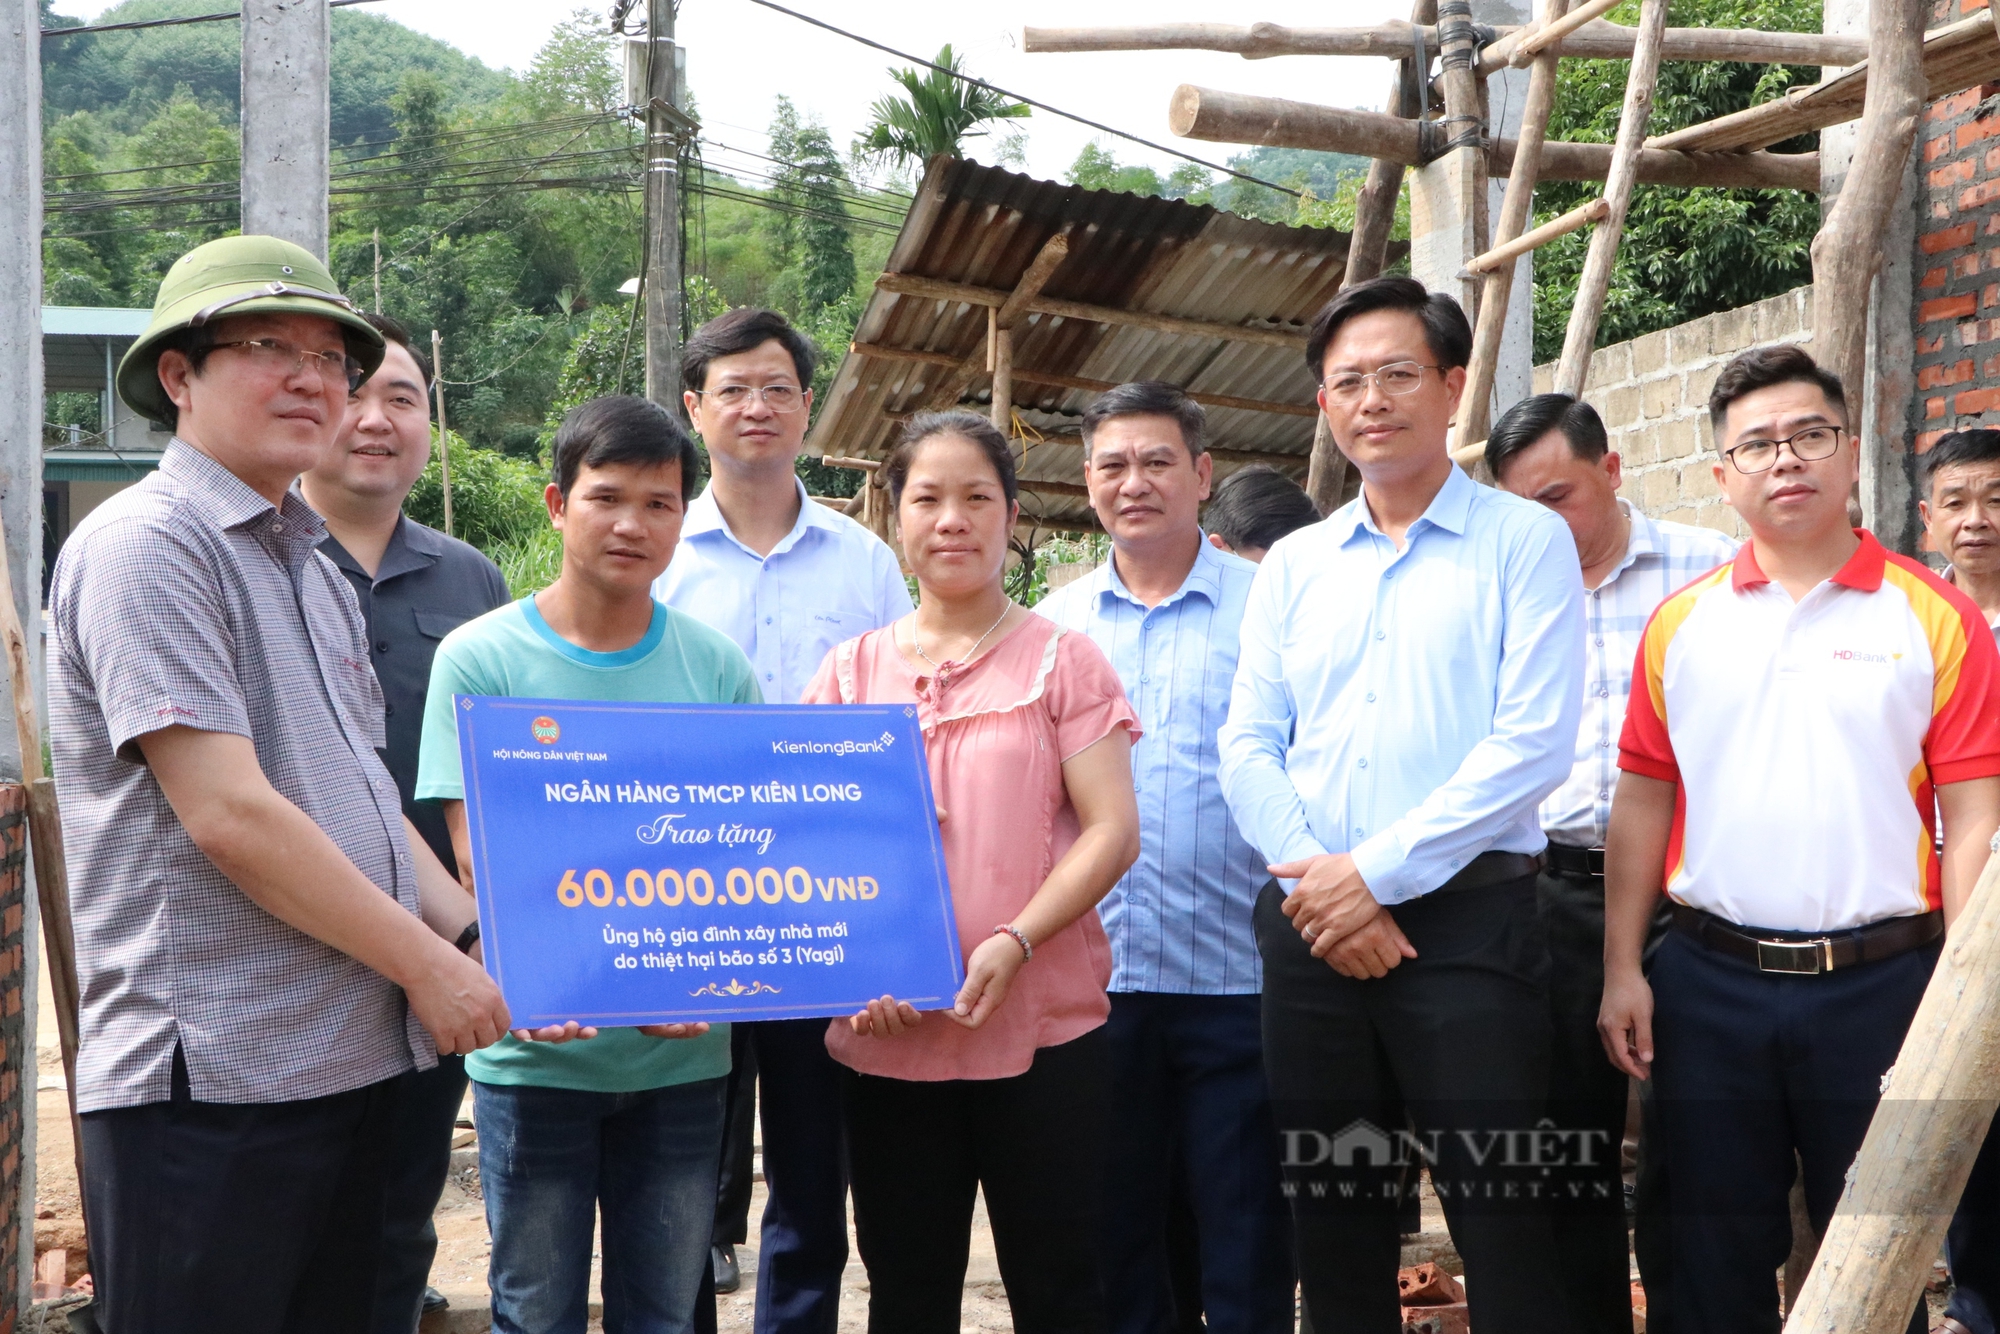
434 1300
728 1278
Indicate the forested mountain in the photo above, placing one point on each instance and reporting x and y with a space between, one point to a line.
126 76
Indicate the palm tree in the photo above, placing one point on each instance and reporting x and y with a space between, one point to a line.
940 113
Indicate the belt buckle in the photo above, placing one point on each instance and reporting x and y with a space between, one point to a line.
1795 956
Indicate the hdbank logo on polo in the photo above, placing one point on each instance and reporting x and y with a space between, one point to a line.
1858 655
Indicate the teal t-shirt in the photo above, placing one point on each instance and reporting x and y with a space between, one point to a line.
512 651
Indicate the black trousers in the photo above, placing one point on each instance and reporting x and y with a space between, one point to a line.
1754 1068
1192 1111
1032 1143
1445 1059
739 1142
419 1159
257 1218
1587 1091
1973 1245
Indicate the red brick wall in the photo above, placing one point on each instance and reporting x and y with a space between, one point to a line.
17 1044
1958 260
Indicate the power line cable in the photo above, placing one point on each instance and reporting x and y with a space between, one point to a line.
1040 106
173 23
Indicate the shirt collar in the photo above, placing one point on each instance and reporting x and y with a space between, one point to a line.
1205 578
1862 572
412 546
1449 509
231 501
1643 540
704 516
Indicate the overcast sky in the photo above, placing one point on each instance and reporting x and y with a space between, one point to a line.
741 56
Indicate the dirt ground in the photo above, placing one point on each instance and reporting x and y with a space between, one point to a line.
463 1243
460 1269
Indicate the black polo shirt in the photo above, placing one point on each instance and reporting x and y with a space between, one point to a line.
427 586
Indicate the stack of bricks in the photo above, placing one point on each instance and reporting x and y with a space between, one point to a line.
17 1050
1653 395
1958 297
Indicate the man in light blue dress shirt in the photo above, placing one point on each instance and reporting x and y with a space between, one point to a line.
787 579
1408 690
1188 1092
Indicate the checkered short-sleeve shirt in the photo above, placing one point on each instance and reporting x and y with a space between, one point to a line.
190 599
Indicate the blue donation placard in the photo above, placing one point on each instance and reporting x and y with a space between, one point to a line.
651 863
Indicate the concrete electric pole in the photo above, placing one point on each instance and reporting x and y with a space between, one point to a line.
287 68
667 128
21 318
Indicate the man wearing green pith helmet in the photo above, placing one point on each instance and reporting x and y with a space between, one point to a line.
263 945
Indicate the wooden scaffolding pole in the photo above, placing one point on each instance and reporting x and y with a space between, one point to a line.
1960 56
1524 45
1595 40
1594 285
1475 405
1848 250
1920 1147
1375 210
1245 118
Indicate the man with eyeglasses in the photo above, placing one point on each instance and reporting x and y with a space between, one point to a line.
1408 690
415 585
264 944
787 579
1792 715
1552 449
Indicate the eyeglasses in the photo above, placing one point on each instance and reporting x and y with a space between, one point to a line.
737 397
337 369
1813 443
1398 377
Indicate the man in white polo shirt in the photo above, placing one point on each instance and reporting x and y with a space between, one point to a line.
1793 715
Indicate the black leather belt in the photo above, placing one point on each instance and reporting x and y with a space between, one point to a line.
1800 952
1564 859
1490 868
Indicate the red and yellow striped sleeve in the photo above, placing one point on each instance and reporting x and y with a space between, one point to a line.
1964 738
1645 747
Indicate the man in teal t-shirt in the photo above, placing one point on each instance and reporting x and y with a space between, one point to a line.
623 1121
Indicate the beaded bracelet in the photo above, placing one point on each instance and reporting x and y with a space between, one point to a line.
1020 938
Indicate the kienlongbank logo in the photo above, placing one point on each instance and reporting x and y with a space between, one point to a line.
879 746
546 729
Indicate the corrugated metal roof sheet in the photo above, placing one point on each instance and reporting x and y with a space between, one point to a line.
982 226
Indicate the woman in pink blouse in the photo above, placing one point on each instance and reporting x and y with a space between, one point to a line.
1029 738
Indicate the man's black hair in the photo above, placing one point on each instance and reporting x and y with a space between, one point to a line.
1149 398
740 330
965 425
1956 447
393 331
1255 506
1532 418
1445 329
1762 367
622 428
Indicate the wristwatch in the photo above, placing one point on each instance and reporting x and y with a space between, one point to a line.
468 937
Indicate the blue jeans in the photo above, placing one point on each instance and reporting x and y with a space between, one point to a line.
551 1158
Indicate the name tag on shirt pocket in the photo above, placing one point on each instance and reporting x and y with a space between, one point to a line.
438 624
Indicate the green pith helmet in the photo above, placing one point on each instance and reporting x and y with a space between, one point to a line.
237 275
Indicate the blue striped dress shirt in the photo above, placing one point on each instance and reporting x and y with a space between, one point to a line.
1179 921
1411 708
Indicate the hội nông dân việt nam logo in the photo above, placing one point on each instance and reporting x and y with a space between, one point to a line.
546 729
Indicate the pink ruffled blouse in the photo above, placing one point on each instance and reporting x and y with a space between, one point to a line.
996 733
